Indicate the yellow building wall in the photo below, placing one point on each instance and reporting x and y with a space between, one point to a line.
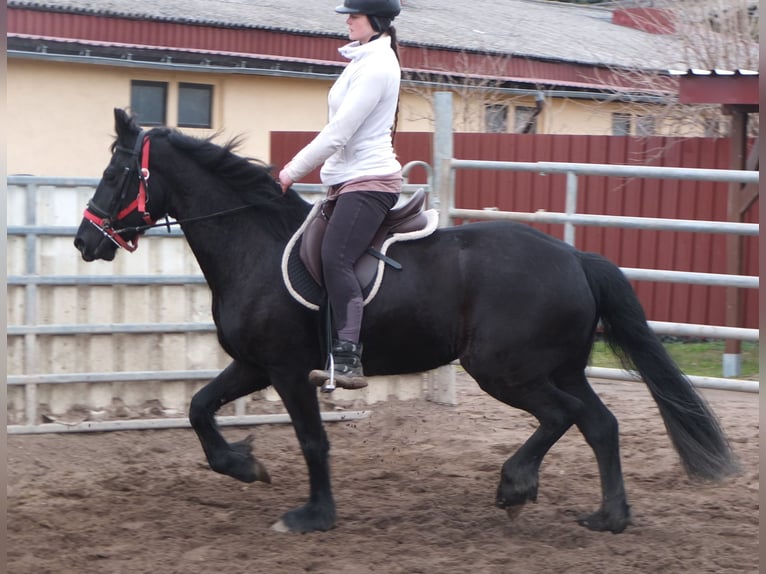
578 117
61 119
60 115
591 117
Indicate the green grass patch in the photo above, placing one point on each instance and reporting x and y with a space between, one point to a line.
698 358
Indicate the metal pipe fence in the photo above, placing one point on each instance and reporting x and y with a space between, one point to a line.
441 187
446 165
31 330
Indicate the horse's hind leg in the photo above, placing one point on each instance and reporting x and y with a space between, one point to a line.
555 411
235 459
600 429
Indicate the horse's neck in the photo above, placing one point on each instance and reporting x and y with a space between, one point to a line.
227 249
230 248
229 245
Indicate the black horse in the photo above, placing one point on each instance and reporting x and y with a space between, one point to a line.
517 308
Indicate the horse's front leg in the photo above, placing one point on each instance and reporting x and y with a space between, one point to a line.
300 399
233 459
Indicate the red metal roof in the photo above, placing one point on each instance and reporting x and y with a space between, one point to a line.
303 48
648 19
732 87
63 25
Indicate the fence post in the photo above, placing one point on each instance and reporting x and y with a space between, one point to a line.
441 381
443 153
732 356
30 304
571 207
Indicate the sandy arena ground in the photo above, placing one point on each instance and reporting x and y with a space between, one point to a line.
414 483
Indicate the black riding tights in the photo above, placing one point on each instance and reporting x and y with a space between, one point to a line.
353 224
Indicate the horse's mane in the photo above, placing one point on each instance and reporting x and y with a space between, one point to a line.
250 178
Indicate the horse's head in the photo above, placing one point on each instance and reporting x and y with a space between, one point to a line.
192 179
120 206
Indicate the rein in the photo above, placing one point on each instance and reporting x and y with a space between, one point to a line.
140 228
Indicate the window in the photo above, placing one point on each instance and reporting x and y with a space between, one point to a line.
525 120
496 118
148 101
621 124
195 105
712 127
645 126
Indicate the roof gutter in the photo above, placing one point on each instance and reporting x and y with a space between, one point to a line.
143 64
605 95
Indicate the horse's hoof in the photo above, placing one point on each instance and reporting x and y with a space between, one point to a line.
280 526
514 511
309 518
261 474
239 462
601 522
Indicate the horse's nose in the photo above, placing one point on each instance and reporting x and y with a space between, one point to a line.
79 244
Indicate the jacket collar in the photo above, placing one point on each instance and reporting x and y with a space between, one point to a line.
355 50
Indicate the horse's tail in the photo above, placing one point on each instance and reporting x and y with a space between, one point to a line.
691 424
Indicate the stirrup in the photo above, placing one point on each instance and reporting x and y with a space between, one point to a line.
329 380
345 372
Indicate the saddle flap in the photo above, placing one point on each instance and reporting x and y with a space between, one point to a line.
311 242
302 276
408 221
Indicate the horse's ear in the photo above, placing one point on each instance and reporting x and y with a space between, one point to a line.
123 123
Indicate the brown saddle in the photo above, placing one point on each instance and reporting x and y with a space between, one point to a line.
407 218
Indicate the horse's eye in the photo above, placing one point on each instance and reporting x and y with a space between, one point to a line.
110 174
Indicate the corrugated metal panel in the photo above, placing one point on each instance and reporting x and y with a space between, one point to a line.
506 67
170 35
320 49
718 86
522 191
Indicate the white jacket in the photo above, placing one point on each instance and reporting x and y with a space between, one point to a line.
362 102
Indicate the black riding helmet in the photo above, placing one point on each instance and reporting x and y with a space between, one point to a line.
382 8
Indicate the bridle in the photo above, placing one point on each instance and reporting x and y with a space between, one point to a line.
104 219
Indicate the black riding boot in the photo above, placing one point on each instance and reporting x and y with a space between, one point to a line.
347 369
348 358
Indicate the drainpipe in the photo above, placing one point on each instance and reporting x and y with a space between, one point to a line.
539 105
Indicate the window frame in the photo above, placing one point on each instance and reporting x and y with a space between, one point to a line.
137 84
646 126
524 116
496 118
621 119
209 89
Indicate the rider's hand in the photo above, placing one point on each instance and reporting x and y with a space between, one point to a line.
284 179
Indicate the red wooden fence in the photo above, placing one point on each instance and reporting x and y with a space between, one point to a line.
672 199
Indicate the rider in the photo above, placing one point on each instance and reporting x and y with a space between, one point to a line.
360 167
